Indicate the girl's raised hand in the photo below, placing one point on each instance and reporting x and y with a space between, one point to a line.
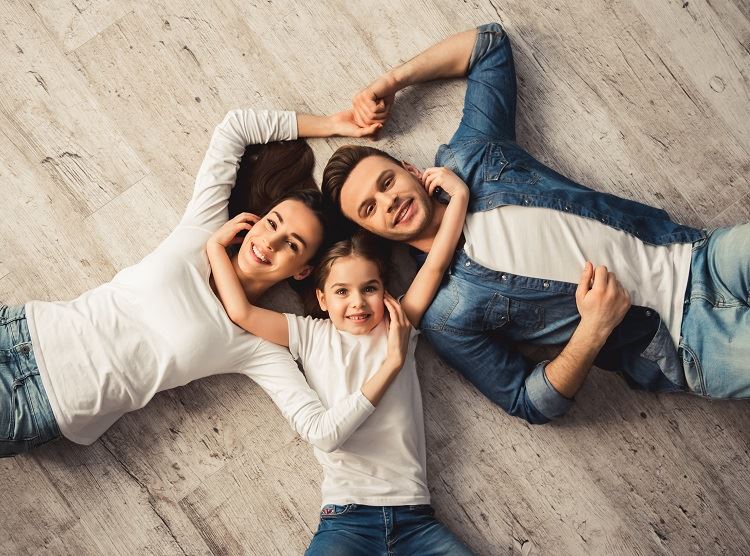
227 234
399 330
445 179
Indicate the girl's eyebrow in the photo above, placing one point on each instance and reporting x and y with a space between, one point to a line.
373 281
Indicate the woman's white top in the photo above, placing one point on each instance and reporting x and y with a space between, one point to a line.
158 324
383 462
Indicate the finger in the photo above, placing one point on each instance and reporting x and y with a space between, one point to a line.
600 277
584 284
369 130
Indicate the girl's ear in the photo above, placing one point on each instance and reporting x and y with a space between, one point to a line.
321 299
413 170
304 273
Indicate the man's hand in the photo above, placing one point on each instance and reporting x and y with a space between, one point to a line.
601 300
372 105
344 124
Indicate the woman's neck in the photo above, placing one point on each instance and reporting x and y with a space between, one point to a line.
254 287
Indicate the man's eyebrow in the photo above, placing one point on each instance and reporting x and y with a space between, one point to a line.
378 181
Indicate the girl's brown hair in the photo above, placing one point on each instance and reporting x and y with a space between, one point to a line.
362 244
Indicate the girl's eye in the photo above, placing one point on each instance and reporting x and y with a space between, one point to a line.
340 291
370 289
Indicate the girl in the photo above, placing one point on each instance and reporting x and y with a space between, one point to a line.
375 492
73 368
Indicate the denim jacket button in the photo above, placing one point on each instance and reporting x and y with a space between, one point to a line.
468 263
546 284
503 277
648 313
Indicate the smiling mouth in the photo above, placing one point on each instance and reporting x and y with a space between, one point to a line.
359 317
402 212
258 255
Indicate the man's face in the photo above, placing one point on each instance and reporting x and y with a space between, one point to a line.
386 199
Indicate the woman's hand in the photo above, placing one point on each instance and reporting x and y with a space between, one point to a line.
344 124
227 234
373 103
399 331
445 179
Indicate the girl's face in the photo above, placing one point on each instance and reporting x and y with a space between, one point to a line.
281 243
353 295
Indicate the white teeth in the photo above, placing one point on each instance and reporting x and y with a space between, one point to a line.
358 317
402 212
259 254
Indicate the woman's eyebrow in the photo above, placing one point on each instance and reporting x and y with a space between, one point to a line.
293 234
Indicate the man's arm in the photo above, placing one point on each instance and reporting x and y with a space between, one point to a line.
602 303
448 58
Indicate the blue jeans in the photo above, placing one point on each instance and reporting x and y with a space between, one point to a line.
715 344
26 418
353 530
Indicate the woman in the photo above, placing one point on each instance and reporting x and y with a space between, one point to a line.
73 368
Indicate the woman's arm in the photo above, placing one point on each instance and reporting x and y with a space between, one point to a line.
260 322
425 284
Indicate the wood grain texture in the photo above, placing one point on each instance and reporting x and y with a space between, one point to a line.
106 109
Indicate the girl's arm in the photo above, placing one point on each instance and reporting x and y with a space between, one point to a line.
425 284
260 322
399 331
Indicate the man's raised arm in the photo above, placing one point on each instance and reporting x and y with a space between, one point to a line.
448 58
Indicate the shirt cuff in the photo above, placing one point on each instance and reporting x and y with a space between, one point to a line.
548 401
362 402
484 41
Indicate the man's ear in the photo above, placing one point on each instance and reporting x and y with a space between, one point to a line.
321 300
413 170
304 273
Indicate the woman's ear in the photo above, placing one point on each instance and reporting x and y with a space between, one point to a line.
321 299
413 170
304 273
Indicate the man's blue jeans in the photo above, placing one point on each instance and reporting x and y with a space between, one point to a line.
354 530
715 344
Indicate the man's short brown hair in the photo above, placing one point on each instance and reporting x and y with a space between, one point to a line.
340 165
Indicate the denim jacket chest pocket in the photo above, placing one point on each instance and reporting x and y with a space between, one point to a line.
462 307
497 166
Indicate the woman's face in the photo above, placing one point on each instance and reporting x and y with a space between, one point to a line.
353 295
281 243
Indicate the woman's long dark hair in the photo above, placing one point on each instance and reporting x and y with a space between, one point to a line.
271 173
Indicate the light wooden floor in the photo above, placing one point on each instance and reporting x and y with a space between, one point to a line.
106 107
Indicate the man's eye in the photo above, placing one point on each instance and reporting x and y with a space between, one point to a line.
369 210
387 183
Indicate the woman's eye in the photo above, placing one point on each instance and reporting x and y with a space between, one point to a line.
293 246
272 224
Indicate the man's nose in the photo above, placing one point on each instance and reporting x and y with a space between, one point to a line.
388 199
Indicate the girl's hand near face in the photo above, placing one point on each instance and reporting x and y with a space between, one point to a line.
445 179
227 234
399 330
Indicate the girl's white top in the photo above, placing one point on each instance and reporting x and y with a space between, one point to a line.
158 324
383 462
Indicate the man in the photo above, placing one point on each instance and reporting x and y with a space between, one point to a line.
528 233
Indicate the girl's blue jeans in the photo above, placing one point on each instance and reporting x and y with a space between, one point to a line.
354 529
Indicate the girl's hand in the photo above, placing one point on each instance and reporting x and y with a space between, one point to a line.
344 124
442 177
227 234
399 331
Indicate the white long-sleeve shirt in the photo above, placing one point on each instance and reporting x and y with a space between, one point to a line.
158 324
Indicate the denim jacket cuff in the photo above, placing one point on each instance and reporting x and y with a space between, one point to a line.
485 37
543 395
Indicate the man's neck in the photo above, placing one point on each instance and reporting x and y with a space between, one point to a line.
424 240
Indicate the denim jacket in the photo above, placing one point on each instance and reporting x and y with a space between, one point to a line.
479 315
